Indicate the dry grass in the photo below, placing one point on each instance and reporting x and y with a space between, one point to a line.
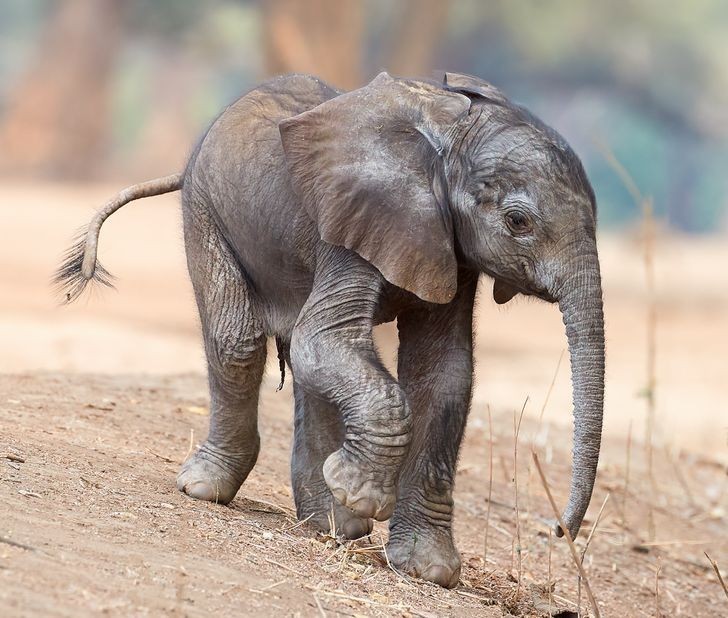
567 536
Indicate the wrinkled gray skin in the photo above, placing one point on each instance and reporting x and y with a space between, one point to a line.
311 216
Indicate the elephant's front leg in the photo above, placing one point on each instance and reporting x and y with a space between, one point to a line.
435 369
334 359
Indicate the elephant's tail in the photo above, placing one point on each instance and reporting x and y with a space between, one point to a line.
80 266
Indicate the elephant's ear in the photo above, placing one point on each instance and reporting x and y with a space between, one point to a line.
366 165
473 86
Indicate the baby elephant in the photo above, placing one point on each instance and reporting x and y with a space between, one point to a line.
311 215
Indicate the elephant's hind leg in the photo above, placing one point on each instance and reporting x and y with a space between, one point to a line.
235 345
319 431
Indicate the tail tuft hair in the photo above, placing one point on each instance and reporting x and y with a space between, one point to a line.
69 281
80 264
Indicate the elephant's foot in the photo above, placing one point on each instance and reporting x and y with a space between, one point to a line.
329 517
427 554
212 474
367 492
349 525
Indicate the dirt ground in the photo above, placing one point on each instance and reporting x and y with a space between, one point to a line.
101 402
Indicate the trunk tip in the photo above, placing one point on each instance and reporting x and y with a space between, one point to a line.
572 527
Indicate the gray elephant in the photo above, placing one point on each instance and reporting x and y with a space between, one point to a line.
311 215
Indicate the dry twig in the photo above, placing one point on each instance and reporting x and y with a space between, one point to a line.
649 234
318 605
519 549
296 524
490 485
13 457
548 394
657 590
645 204
273 508
681 478
567 536
403 577
279 564
192 444
714 564
7 541
672 542
164 458
586 548
626 475
548 581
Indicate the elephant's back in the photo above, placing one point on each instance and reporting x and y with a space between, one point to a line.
244 142
257 113
239 170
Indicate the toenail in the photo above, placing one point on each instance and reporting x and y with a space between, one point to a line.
356 528
441 575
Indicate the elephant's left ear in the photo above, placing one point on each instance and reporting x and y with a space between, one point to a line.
473 86
367 166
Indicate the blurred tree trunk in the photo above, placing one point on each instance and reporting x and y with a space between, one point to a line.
328 38
57 120
168 131
322 37
415 37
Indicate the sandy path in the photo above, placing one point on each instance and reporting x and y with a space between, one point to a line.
89 488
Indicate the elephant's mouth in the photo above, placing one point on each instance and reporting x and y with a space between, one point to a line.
544 294
504 289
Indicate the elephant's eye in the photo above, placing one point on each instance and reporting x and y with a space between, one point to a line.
518 222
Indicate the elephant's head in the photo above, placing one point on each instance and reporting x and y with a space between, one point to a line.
421 178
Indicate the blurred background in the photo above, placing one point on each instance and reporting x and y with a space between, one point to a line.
100 88
98 93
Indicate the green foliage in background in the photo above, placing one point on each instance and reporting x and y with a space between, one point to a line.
645 77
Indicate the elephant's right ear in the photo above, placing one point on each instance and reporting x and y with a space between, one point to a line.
366 166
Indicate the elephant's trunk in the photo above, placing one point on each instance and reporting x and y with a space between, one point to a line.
580 301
